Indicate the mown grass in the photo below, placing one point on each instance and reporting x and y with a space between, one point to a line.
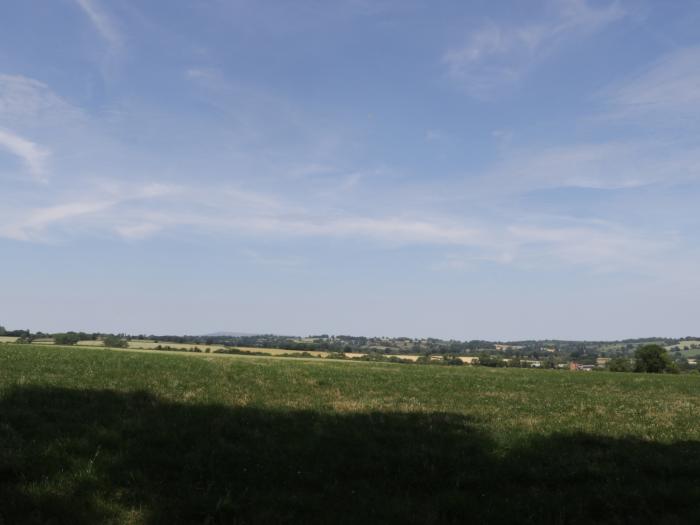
110 436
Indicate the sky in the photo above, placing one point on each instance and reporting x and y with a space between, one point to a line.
452 169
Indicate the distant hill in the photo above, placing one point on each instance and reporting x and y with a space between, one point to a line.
229 334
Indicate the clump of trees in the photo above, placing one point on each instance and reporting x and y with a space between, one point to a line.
620 364
114 341
490 361
653 359
68 339
648 359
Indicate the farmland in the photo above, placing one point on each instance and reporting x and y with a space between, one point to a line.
128 436
689 348
685 345
154 345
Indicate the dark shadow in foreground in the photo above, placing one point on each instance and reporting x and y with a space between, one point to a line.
70 456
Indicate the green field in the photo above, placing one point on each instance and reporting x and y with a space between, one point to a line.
687 348
684 345
114 436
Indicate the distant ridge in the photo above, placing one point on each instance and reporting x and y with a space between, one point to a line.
229 334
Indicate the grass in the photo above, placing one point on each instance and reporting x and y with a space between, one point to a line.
110 436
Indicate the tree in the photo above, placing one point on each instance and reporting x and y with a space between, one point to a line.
114 341
652 359
69 339
452 360
549 363
620 364
515 362
423 360
487 360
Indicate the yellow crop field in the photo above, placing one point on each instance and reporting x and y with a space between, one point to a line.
153 345
280 351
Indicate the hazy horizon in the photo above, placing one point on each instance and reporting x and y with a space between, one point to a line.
497 171
227 333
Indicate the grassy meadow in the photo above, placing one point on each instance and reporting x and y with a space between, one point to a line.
93 435
687 348
684 345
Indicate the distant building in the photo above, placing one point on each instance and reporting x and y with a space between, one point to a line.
501 348
602 362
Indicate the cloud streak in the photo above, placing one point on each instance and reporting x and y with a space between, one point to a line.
136 213
102 23
133 210
669 89
498 55
32 155
603 165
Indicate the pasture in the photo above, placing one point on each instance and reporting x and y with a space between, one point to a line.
684 345
687 348
92 435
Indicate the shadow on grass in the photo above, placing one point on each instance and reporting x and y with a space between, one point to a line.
70 456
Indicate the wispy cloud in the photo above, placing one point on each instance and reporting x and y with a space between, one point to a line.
603 246
611 165
550 242
136 213
669 89
31 226
142 211
137 231
388 229
32 155
29 102
295 198
102 22
497 55
90 210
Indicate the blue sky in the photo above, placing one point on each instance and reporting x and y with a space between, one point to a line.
479 169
